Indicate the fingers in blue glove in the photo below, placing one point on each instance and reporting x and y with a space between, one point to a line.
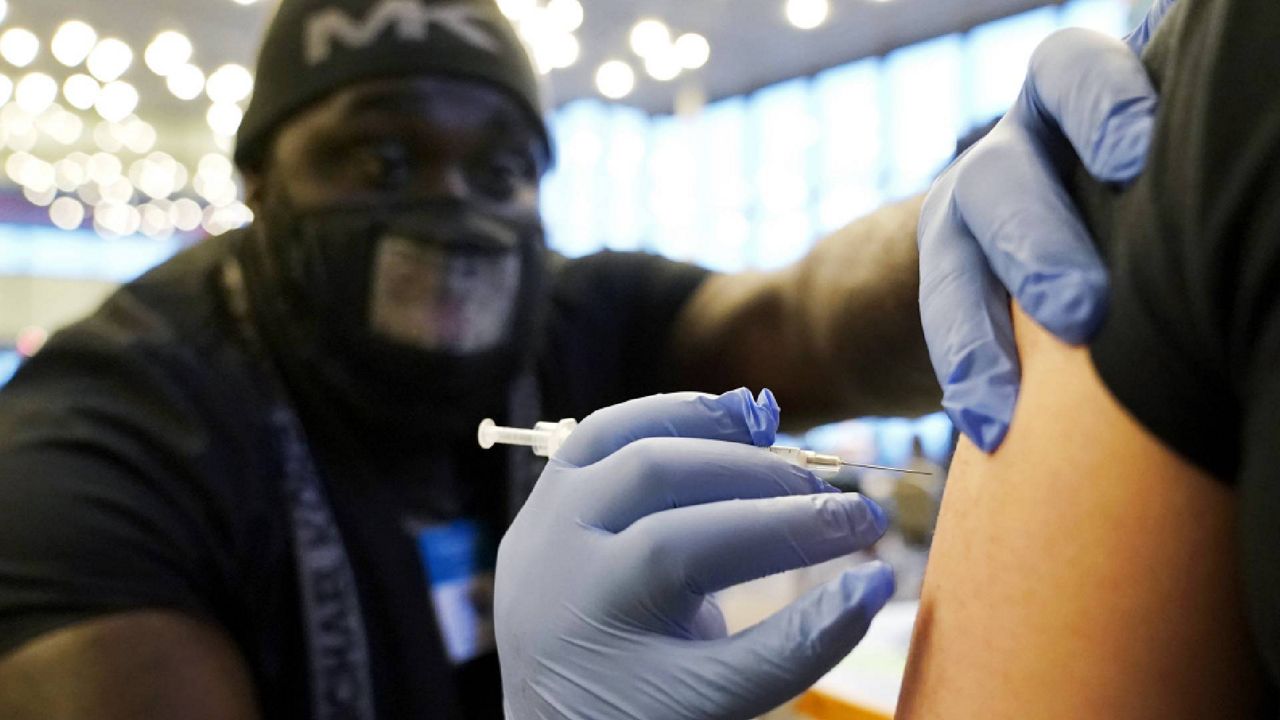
706 548
1101 97
966 316
1141 35
787 652
734 416
651 475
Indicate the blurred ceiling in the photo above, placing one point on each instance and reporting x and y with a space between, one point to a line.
752 44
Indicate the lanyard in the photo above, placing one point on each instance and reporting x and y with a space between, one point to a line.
337 646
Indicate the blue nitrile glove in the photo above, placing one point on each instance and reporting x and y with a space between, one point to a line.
603 604
999 222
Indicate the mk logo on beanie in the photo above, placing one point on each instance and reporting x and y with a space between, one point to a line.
410 19
314 48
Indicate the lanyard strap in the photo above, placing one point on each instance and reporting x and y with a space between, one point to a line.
337 644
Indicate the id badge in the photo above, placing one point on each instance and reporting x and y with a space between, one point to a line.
460 560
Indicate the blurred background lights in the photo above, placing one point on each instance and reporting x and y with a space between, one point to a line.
229 84
167 52
109 59
81 91
186 82
19 46
663 65
185 214
517 10
66 213
35 93
4 9
693 51
615 79
565 14
116 101
72 42
807 14
649 37
224 118
6 89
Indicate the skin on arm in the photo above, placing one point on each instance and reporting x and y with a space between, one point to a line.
148 664
835 335
1081 571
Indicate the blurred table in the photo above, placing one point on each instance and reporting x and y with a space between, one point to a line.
865 685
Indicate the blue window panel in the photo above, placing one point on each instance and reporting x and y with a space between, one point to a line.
626 149
894 438
844 203
935 433
725 247
1112 17
784 133
999 53
851 127
50 252
782 240
723 152
577 193
9 361
724 159
924 84
673 193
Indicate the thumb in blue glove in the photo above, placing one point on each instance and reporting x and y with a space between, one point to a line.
603 604
998 222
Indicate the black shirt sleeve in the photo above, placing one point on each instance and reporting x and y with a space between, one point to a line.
106 502
1192 342
610 328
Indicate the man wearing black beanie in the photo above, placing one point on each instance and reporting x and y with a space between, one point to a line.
248 485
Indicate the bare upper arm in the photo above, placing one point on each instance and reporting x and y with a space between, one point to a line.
147 664
1083 570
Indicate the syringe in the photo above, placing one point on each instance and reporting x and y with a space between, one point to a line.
547 437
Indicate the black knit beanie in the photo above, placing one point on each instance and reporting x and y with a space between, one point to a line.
314 47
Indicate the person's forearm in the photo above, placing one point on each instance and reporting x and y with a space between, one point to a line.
836 335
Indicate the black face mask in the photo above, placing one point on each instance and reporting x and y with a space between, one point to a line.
409 313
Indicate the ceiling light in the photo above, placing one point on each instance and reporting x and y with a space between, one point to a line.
4 9
119 191
64 127
109 59
138 135
245 3
229 84
68 174
649 37
565 14
72 42
185 214
155 221
167 52
40 198
663 66
186 82
81 91
693 50
807 14
615 79
224 118
562 51
214 165
19 46
517 10
6 88
66 213
116 101
35 93
38 175
104 168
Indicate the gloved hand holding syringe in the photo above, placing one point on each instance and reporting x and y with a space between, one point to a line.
547 437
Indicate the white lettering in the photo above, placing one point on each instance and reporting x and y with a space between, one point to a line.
410 19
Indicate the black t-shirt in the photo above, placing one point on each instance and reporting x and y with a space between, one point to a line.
1192 342
139 469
